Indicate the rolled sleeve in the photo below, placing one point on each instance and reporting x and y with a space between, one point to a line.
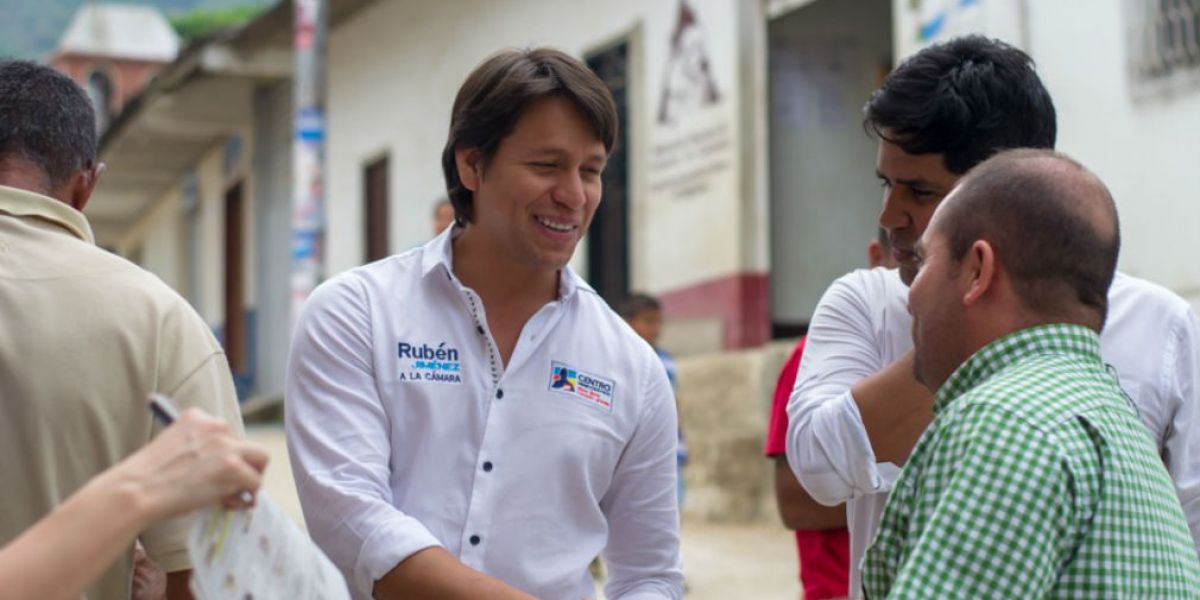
827 443
338 439
643 515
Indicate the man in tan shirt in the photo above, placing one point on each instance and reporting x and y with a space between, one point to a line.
84 335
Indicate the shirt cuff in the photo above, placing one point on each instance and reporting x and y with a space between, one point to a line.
390 544
850 468
648 595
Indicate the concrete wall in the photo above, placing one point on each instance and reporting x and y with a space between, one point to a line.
724 404
1141 142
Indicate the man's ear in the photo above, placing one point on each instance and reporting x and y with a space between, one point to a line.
470 169
82 185
978 271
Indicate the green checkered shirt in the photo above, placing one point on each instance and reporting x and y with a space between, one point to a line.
1035 480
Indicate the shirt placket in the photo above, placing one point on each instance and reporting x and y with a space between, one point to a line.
490 464
476 532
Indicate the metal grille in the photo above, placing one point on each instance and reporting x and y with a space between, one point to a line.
1164 38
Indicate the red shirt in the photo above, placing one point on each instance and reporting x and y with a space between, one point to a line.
824 553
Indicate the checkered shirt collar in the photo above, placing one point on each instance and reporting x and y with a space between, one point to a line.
1056 338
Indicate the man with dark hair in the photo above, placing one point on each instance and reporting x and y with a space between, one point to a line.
857 411
1036 479
469 419
87 335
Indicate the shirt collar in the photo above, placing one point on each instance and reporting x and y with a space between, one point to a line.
1058 338
438 255
23 203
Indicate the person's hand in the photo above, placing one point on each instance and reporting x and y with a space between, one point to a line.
149 581
193 463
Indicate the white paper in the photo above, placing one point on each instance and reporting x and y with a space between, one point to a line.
259 554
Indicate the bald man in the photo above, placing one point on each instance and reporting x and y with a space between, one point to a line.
1036 478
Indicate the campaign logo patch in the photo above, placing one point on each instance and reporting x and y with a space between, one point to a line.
423 362
593 390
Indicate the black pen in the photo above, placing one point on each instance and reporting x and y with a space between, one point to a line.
164 410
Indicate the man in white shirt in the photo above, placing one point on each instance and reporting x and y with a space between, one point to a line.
856 410
469 419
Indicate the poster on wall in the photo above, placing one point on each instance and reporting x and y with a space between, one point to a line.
693 152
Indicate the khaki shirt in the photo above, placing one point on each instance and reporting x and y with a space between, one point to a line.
84 336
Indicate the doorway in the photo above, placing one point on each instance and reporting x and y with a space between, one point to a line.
608 238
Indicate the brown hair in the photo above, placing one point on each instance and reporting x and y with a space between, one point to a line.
495 96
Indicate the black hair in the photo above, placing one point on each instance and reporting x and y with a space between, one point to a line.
46 119
966 99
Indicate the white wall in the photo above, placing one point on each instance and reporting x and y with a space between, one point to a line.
161 252
394 69
1144 146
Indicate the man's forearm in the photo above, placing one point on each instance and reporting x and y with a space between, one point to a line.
797 508
895 409
434 573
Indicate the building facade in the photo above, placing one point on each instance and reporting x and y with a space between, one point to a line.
743 183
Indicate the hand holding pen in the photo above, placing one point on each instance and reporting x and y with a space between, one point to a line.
196 461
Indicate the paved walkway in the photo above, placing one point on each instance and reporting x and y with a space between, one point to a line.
720 561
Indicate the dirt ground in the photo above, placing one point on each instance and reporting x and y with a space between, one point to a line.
720 561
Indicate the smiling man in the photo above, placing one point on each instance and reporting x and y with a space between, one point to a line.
1036 478
469 419
856 410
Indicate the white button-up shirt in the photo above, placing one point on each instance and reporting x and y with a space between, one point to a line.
406 431
861 325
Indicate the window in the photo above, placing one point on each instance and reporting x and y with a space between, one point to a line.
1164 40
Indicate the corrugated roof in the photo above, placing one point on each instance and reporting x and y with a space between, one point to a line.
121 31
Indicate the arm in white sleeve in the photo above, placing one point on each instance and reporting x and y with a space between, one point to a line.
1181 445
642 554
337 434
827 443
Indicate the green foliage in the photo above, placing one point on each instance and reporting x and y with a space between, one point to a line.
199 22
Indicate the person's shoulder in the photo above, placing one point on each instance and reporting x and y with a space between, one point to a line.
1043 391
1128 291
133 282
867 285
1142 312
359 283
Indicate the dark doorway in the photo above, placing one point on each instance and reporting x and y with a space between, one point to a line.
608 239
235 291
375 209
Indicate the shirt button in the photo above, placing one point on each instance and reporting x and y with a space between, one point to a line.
475 540
487 466
499 394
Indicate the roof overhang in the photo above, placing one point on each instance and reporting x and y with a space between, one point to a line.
194 104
